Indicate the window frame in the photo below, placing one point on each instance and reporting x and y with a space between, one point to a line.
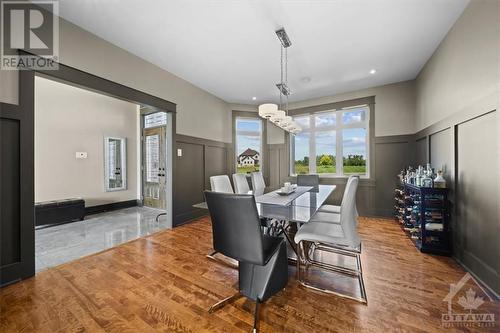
338 108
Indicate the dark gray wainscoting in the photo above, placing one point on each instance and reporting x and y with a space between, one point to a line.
278 165
392 154
478 220
421 151
466 145
201 159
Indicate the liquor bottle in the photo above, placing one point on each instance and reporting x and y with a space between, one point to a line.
439 181
418 180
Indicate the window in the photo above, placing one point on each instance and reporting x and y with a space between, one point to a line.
155 119
248 144
332 142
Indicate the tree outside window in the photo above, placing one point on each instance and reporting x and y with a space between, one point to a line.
333 142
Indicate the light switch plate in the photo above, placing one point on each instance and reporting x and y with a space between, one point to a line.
81 154
179 152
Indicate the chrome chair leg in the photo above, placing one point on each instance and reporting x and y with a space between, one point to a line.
256 317
361 281
305 252
224 302
300 258
212 256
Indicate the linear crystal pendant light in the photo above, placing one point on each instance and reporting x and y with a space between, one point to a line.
270 111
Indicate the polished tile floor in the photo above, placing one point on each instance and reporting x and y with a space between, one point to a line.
60 244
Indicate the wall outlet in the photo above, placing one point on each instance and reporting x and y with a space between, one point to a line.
81 154
179 152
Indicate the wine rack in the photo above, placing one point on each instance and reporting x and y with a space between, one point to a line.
423 214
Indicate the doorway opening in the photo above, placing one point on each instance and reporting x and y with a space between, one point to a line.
102 171
17 122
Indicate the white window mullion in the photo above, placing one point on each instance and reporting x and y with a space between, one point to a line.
261 152
338 149
312 145
367 149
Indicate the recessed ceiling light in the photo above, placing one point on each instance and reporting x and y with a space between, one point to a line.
305 79
254 98
373 71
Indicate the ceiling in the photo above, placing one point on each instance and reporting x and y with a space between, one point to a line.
229 48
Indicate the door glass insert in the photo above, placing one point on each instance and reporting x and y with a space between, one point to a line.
152 158
112 159
115 164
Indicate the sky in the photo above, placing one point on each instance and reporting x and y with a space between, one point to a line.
354 140
248 133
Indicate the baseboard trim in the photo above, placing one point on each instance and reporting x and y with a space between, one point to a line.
382 213
110 207
184 218
478 279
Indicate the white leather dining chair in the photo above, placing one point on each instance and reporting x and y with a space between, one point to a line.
333 209
327 216
258 183
342 239
241 185
221 183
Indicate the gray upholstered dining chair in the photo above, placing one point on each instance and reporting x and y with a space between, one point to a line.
263 264
308 180
258 183
241 185
342 239
221 183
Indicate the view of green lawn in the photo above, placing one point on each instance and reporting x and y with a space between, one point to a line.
358 169
348 169
326 164
247 169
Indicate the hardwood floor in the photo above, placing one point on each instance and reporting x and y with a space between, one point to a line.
164 283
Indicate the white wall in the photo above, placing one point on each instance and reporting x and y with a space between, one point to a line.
70 119
200 114
465 69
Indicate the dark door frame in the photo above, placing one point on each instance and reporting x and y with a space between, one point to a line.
17 201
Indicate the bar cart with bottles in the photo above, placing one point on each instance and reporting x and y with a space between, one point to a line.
423 213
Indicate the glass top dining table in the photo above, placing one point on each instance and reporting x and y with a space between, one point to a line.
298 210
